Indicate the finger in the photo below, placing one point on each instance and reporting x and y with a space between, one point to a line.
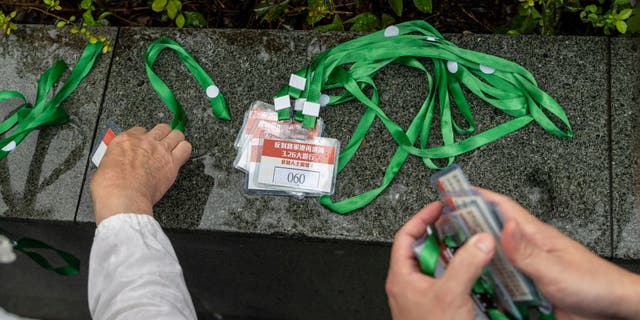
536 230
181 153
526 255
160 131
402 259
468 262
508 206
173 139
136 131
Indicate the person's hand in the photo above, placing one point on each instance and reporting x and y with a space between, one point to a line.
137 170
413 295
576 281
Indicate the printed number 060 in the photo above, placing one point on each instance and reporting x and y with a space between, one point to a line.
296 178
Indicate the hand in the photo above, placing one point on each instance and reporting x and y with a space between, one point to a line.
576 281
137 170
413 295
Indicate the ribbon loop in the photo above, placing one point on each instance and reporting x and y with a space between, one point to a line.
216 99
353 65
28 118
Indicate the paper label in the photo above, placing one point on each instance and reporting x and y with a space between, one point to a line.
102 147
308 165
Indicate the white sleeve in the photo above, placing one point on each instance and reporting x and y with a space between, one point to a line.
134 272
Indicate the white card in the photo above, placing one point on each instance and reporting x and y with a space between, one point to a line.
308 166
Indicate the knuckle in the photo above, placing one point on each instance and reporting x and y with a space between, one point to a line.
162 126
390 287
179 134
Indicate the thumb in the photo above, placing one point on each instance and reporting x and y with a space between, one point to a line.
524 254
468 262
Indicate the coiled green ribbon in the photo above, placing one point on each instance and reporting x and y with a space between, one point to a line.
45 112
351 66
218 103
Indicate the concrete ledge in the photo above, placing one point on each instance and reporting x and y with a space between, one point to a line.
42 178
565 182
625 98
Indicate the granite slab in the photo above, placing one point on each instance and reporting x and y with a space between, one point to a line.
42 178
625 99
563 181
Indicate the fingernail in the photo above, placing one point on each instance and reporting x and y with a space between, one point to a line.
483 243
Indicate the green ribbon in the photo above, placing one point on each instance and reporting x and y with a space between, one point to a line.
44 112
25 245
218 103
351 67
428 260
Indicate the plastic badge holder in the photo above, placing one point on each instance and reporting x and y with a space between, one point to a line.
247 152
257 111
308 166
467 212
251 185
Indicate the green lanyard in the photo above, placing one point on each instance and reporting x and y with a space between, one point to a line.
218 103
44 112
26 245
351 66
428 260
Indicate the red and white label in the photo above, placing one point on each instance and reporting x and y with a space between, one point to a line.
102 148
307 166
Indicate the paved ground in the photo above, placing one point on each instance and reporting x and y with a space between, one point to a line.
586 186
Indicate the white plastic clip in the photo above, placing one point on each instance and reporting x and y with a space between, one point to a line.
282 102
311 109
297 82
299 104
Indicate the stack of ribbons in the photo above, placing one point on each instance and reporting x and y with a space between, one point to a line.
350 69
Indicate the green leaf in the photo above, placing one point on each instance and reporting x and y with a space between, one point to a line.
633 24
386 20
87 18
317 11
624 14
592 8
194 19
61 24
104 15
621 26
85 4
364 22
535 13
425 6
396 6
335 25
172 9
621 2
158 5
180 20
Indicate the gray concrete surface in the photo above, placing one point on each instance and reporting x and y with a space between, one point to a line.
42 177
563 181
625 103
